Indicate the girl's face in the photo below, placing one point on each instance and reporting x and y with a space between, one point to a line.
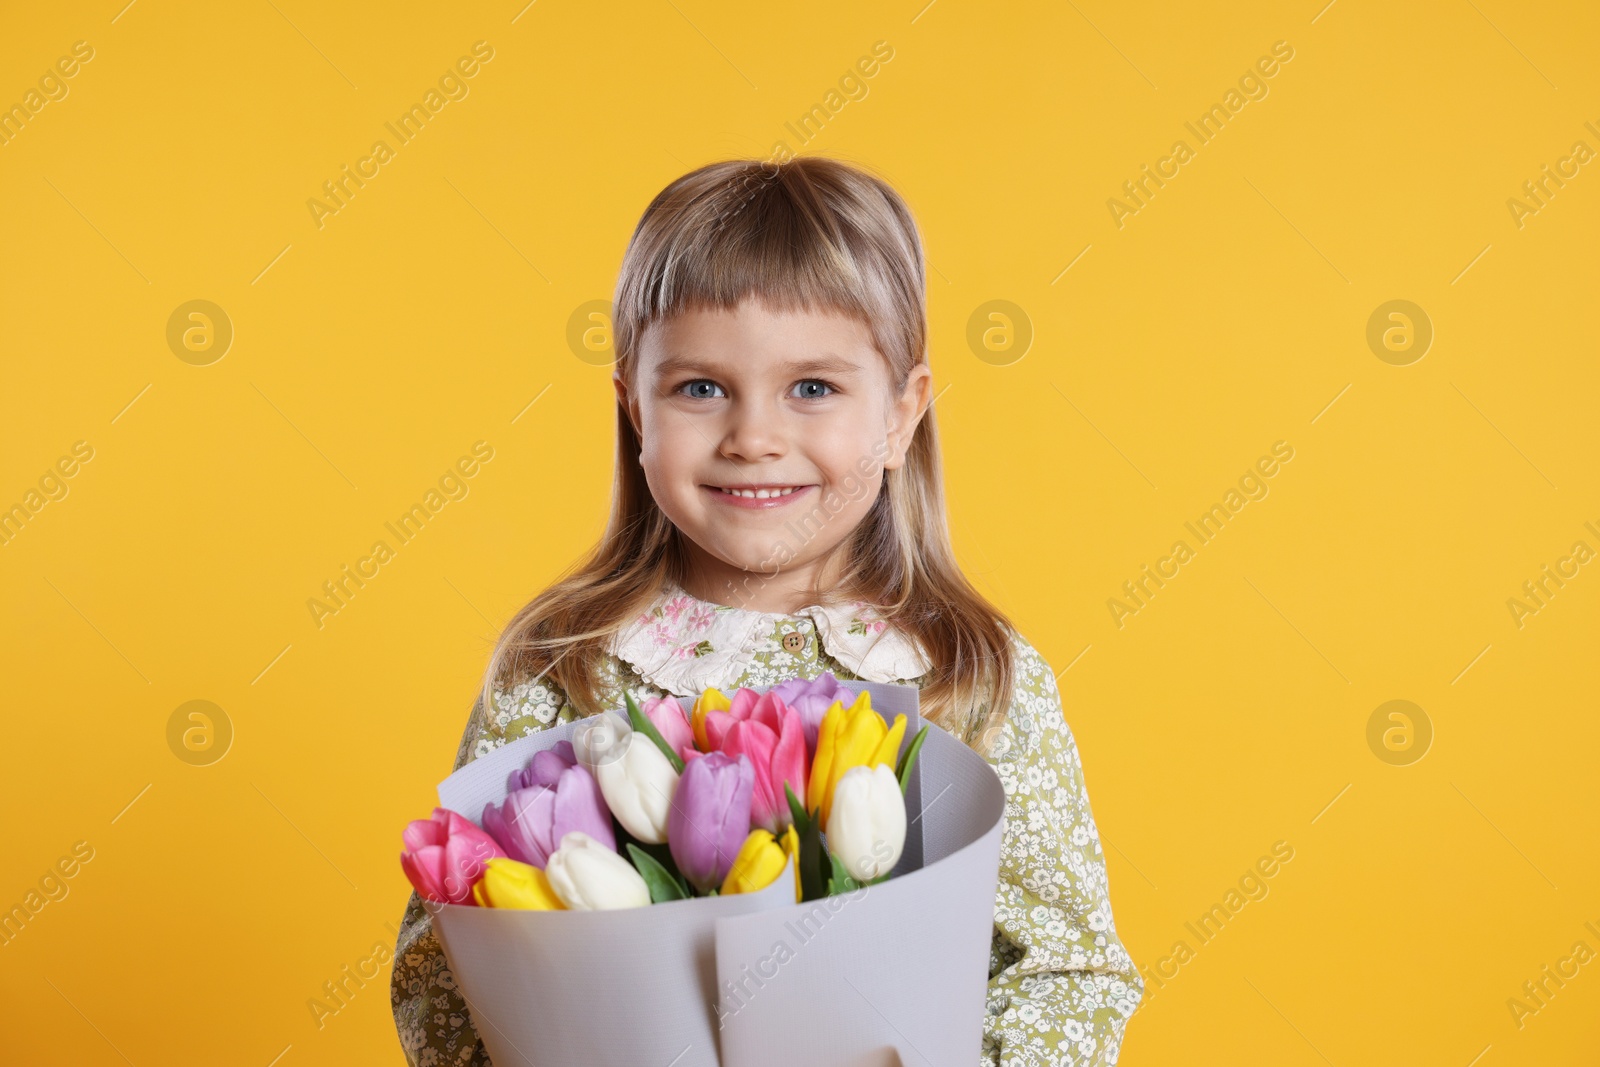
765 437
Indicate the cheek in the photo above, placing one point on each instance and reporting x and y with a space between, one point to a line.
852 500
852 471
846 449
671 454
667 446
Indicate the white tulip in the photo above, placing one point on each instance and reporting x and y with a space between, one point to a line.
587 876
867 827
635 776
600 738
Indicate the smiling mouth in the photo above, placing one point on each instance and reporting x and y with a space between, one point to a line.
757 492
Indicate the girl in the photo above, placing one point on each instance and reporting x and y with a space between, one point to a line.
776 512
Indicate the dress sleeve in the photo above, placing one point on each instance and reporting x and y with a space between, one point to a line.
1061 986
433 1020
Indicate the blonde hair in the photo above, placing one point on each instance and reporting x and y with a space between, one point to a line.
810 233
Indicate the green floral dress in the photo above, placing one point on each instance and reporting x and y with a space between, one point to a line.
1061 986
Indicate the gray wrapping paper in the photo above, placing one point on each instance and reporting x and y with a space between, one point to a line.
893 973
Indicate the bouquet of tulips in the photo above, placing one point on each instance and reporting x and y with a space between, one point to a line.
761 822
704 801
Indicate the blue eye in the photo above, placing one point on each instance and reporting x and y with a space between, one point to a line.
701 389
811 389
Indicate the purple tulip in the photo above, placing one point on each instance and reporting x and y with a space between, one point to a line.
812 699
548 798
710 817
544 768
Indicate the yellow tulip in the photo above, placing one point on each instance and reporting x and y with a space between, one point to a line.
822 759
710 700
791 849
507 883
761 860
850 737
888 752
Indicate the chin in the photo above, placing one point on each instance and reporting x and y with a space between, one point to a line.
765 562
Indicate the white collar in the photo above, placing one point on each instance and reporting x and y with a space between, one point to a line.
685 645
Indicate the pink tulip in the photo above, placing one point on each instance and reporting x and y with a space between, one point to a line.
765 708
445 855
770 734
672 722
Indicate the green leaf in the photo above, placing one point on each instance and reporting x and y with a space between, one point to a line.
797 810
663 886
813 884
840 882
909 761
641 722
661 853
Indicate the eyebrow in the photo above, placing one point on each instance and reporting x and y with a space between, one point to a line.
823 364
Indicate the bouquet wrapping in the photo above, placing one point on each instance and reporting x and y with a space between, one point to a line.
894 971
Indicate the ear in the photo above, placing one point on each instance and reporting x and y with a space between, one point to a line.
629 402
905 414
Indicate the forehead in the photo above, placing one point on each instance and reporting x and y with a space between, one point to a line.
753 338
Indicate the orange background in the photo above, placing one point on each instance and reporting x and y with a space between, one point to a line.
1165 355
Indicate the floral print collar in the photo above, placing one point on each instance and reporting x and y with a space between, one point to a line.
685 645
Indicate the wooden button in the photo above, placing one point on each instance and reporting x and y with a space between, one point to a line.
794 641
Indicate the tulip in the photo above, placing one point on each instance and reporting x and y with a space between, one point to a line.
506 883
761 860
790 843
812 699
746 705
707 702
546 766
850 737
710 817
587 876
548 798
634 775
779 759
867 830
763 727
445 855
667 715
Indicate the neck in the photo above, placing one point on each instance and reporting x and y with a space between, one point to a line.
784 592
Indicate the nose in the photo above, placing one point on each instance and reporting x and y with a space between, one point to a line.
754 432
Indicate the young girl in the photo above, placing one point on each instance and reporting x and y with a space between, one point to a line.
777 512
